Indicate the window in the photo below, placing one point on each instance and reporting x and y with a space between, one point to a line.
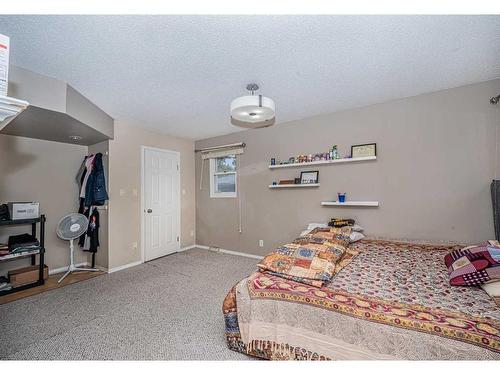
223 177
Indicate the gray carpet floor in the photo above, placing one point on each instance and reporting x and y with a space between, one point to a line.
168 309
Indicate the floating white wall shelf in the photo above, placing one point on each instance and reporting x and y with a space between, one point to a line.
292 186
351 203
322 162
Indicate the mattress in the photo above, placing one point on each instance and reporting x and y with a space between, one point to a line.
393 301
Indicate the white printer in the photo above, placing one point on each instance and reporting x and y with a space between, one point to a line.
24 210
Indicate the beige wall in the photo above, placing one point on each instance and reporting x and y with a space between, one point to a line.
125 174
436 159
43 171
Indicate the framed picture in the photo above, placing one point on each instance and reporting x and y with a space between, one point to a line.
362 151
309 177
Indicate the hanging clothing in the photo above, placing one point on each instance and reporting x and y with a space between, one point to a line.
100 193
80 175
89 161
95 186
92 192
92 181
495 201
93 231
85 212
89 241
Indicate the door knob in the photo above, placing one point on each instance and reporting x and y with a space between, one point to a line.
149 210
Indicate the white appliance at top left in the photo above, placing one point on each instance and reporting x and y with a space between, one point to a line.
9 107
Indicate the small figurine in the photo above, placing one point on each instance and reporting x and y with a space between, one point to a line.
335 154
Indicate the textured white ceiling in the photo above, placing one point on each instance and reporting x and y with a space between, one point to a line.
178 74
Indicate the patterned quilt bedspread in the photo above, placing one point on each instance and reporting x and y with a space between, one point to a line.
393 301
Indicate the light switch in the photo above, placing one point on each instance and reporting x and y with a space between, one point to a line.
134 192
122 192
183 191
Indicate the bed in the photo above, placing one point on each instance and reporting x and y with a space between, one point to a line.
393 301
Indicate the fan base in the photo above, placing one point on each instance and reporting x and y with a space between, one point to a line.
73 269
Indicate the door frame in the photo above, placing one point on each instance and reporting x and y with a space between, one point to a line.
142 208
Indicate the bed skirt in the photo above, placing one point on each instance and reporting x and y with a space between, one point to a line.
264 349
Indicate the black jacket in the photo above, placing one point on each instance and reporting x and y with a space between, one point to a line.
95 190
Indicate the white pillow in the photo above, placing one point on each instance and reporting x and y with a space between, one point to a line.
356 236
357 228
493 289
312 226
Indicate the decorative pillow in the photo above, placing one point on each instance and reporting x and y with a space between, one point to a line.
336 237
310 259
347 258
338 223
344 260
474 265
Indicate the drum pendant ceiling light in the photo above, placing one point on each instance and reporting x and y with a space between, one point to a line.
253 111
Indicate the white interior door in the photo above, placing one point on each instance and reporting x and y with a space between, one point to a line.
161 203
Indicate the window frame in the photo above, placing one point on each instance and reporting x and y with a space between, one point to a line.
213 173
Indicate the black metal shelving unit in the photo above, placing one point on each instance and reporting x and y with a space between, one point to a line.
31 254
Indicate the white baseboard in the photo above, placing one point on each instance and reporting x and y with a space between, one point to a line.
64 269
125 266
187 248
231 252
101 268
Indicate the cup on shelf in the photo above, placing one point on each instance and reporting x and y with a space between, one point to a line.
341 197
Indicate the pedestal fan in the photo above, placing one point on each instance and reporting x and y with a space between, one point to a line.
71 227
